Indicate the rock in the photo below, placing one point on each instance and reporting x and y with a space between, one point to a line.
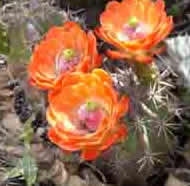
173 181
76 181
179 177
89 179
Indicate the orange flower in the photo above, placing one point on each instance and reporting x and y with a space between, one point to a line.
66 48
134 27
84 110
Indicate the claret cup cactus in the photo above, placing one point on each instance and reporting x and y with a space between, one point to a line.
114 109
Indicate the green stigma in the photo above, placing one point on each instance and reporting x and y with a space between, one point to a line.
68 54
133 21
91 106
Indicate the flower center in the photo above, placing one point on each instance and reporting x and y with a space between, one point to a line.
68 54
133 21
134 29
91 106
66 60
90 116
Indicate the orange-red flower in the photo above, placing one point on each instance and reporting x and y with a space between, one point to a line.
134 27
84 113
66 48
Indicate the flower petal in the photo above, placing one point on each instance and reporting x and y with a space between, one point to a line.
123 106
89 154
142 58
96 59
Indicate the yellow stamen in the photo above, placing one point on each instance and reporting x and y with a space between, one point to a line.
91 106
68 54
133 21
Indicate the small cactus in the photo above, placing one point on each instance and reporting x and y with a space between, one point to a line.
28 20
151 119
